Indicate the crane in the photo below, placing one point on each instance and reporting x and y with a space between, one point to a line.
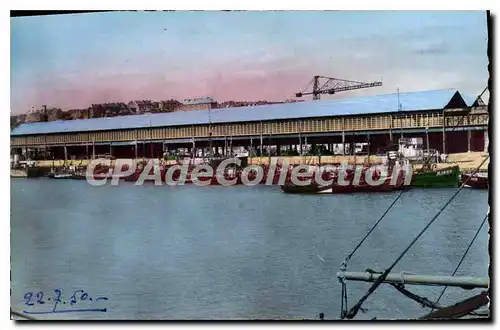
329 85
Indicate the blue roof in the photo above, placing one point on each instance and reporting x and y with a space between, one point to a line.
412 101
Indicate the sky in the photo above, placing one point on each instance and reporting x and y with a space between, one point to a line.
72 61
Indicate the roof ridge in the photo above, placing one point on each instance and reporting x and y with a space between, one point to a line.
366 105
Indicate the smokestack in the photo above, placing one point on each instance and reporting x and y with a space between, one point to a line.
45 117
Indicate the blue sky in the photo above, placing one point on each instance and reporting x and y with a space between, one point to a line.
71 61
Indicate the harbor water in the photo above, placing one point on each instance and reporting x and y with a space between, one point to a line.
189 252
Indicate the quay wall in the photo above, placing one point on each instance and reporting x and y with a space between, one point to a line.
466 161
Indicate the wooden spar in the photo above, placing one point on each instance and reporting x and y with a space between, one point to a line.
465 282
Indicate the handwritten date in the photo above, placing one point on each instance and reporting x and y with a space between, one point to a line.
77 298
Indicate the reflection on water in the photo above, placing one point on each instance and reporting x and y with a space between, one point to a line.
232 253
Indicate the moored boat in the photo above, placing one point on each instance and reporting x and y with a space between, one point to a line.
477 181
312 188
78 176
442 178
62 176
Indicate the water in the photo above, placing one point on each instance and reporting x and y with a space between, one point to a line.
231 253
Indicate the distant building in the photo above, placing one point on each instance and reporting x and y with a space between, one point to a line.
54 114
201 103
142 106
79 113
97 111
169 105
109 110
34 116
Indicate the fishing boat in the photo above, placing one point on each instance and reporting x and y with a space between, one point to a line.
351 184
432 177
476 181
78 176
386 186
63 176
312 188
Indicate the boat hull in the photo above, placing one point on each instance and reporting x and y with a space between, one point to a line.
447 177
336 188
474 181
313 188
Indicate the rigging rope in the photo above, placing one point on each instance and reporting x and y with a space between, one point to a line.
422 300
401 288
354 310
463 257
344 263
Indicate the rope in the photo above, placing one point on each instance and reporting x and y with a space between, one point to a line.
354 310
343 265
422 300
395 200
463 257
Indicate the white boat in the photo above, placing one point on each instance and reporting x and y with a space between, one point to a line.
63 176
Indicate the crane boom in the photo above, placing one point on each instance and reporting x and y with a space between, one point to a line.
334 85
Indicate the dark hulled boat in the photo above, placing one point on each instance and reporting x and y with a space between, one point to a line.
312 188
350 186
476 181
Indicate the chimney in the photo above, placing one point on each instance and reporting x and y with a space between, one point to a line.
45 116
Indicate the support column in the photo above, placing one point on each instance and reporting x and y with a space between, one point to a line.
231 146
390 128
343 136
402 125
305 144
368 140
65 153
261 139
444 133
427 137
343 143
261 145
300 144
468 140
93 149
193 151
